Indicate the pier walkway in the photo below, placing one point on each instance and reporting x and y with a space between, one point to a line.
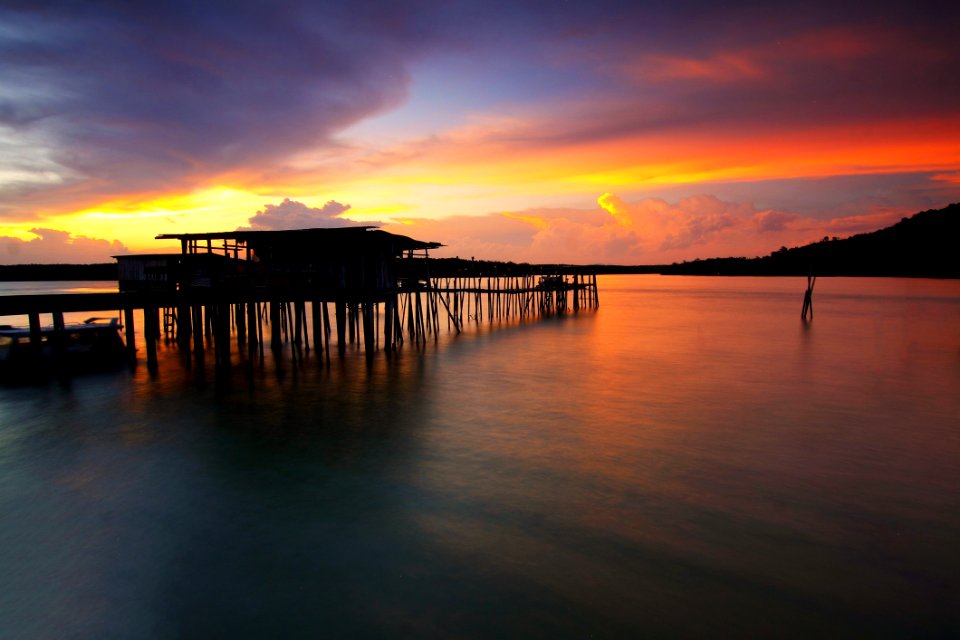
369 286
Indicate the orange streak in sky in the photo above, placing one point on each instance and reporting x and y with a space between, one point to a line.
513 164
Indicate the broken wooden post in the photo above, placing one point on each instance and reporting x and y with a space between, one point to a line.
808 298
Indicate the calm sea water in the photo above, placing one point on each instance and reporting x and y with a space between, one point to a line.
690 460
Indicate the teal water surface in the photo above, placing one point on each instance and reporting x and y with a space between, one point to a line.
689 460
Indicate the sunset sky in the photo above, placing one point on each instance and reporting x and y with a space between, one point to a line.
618 132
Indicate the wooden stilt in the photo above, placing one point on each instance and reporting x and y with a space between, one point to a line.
340 309
198 331
388 314
252 322
241 320
184 326
260 330
150 331
368 330
317 319
326 330
276 337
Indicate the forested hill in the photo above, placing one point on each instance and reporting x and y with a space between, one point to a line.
925 245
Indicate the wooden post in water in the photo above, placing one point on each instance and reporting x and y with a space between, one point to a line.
151 330
35 333
326 330
59 339
184 326
316 317
369 333
260 330
252 335
808 298
340 310
276 338
297 309
241 319
286 321
198 331
222 330
410 327
214 319
388 314
131 335
351 323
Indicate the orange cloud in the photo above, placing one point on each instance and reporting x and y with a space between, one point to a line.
646 231
951 178
616 208
533 221
761 61
525 158
724 67
52 246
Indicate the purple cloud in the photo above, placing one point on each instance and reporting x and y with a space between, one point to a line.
145 95
290 214
769 221
100 97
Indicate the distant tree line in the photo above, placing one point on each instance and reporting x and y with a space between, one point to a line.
924 245
460 267
106 271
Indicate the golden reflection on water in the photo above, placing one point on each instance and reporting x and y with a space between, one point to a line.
690 446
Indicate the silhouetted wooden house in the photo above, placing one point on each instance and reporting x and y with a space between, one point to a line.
356 264
231 285
148 272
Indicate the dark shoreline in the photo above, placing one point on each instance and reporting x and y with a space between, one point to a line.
41 272
921 246
453 267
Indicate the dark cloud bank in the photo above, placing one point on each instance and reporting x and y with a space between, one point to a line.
151 94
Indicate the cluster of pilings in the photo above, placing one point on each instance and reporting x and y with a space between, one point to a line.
415 311
296 287
473 299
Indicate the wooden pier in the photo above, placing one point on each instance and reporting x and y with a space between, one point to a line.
295 288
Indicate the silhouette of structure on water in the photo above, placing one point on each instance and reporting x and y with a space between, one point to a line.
808 298
236 285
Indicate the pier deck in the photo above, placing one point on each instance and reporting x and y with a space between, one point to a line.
228 287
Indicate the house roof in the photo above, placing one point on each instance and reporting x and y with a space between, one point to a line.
342 237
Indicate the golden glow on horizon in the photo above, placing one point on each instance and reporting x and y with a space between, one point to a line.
21 233
480 167
475 172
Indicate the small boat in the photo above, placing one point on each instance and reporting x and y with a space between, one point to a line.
93 345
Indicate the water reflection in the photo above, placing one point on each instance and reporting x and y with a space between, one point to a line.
685 461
